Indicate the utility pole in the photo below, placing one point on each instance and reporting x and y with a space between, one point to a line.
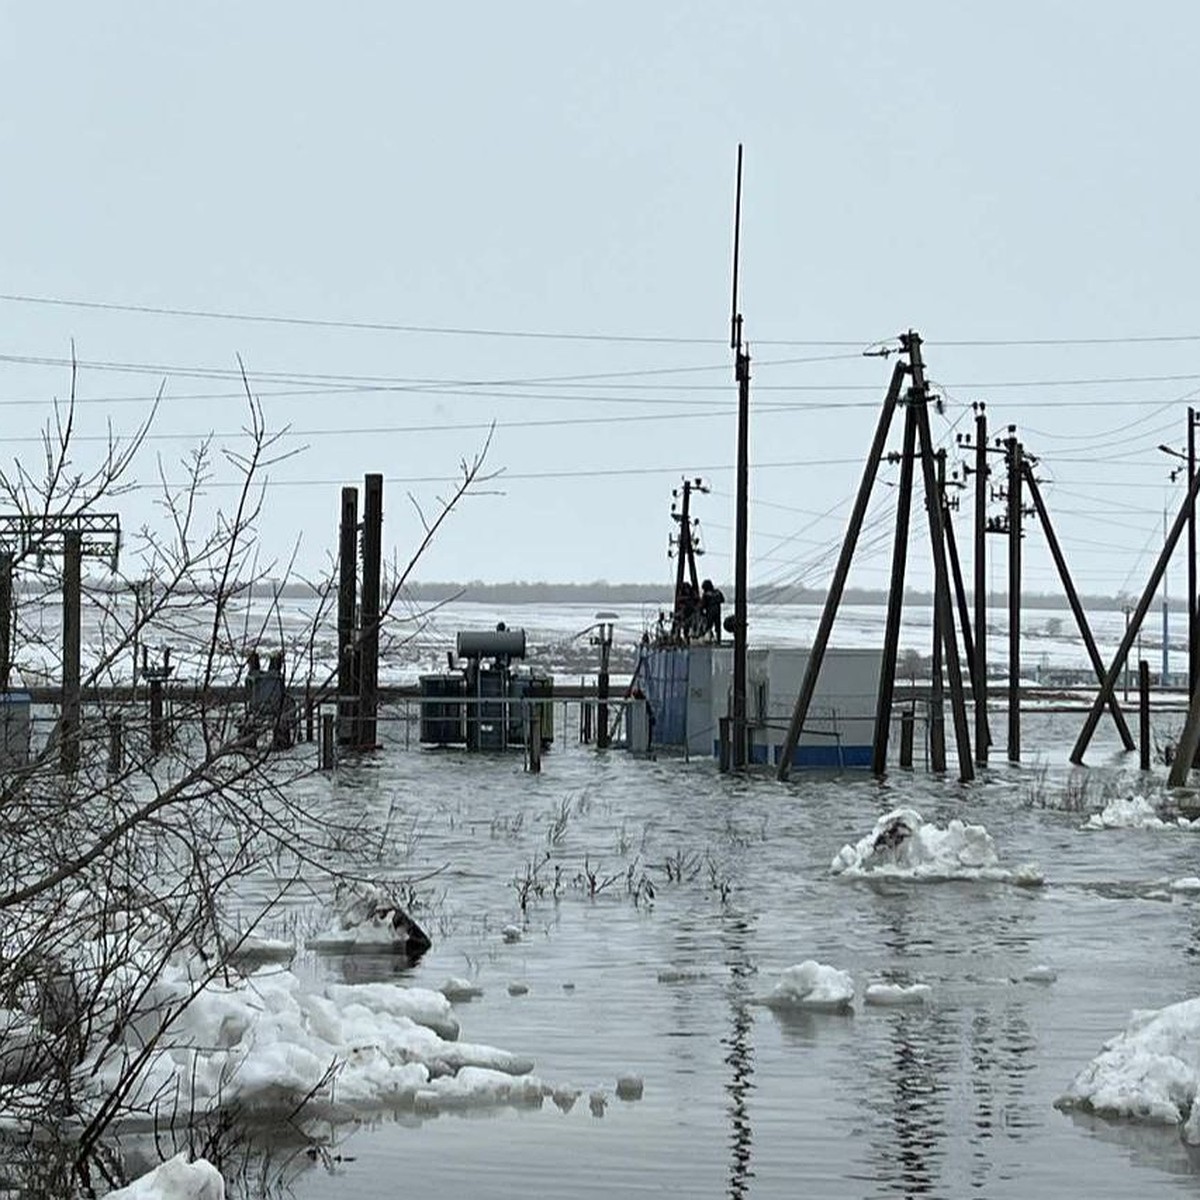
1014 450
685 549
919 395
372 554
891 635
741 373
1193 620
6 618
982 470
347 703
68 745
603 639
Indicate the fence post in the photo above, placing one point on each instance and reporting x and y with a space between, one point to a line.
116 744
1144 714
533 738
327 725
907 723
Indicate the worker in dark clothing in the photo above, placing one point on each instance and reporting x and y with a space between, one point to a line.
711 599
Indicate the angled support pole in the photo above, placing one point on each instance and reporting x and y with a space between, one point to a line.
1189 743
941 582
1081 620
837 585
891 637
937 686
1109 685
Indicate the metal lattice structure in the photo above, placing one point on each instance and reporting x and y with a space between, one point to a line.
100 535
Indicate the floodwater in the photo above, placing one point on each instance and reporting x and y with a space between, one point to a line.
949 1099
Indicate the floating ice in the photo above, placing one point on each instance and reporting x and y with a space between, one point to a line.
1135 812
897 994
629 1087
457 990
1189 883
518 987
511 933
564 1097
811 985
251 949
176 1179
597 1103
1040 974
1149 1073
266 1044
902 846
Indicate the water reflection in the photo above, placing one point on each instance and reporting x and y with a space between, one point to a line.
739 1057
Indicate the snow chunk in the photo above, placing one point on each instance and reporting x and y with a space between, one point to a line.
1040 974
510 933
811 985
1149 1073
456 990
629 1087
422 1005
266 1044
902 846
176 1179
1189 883
474 1087
896 994
1126 812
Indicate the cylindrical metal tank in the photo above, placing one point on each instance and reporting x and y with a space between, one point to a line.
491 643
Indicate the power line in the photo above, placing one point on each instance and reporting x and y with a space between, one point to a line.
395 327
379 326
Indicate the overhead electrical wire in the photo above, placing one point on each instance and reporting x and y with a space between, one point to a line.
213 314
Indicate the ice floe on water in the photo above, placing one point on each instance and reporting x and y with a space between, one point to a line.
903 846
1150 1073
268 1044
458 990
897 994
1189 883
1136 812
1040 974
811 985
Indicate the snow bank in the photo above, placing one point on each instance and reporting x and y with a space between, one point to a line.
811 985
266 1043
902 846
1149 1073
176 1179
1135 812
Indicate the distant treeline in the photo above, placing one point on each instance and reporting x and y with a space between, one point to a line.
602 592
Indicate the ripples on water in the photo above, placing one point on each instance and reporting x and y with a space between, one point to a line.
949 1099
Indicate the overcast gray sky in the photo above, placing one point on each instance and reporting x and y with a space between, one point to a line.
1019 172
